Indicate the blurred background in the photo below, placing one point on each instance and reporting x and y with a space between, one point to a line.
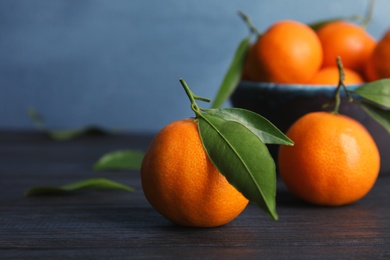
117 64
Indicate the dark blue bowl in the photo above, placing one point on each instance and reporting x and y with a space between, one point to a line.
283 104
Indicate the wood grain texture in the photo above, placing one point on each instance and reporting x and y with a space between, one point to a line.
117 224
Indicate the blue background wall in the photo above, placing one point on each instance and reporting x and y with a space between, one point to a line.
117 63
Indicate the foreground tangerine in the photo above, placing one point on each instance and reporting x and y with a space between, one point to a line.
288 52
181 182
334 161
347 40
331 75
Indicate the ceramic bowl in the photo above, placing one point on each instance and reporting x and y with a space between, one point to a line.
283 104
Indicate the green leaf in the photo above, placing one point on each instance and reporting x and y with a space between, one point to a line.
257 124
64 135
242 158
120 160
319 24
376 91
44 190
94 183
233 75
380 115
36 118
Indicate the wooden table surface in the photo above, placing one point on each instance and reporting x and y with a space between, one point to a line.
118 224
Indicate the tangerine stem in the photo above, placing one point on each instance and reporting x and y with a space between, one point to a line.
367 19
337 98
249 23
193 98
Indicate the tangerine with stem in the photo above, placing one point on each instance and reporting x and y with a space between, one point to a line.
334 161
180 181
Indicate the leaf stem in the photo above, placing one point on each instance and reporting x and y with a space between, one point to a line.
193 98
249 23
367 19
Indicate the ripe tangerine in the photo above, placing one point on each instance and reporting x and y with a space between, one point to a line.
288 52
181 182
347 40
331 75
378 65
334 160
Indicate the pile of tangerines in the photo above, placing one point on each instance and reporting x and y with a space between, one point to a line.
291 52
334 160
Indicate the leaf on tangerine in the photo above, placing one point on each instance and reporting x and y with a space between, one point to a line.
380 115
242 158
257 124
376 91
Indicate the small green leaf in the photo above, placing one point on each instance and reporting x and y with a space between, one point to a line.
242 158
37 119
257 124
380 115
233 75
319 24
376 91
120 160
64 135
44 190
94 183
98 184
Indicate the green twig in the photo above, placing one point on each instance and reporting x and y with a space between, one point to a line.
367 19
249 23
193 98
341 85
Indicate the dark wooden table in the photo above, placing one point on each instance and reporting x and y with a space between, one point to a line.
117 224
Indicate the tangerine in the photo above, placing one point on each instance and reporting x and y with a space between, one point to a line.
288 52
334 161
370 73
250 68
347 40
331 75
378 65
182 184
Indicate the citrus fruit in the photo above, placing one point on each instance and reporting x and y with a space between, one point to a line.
250 68
334 161
330 76
347 40
378 65
288 52
370 73
182 184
